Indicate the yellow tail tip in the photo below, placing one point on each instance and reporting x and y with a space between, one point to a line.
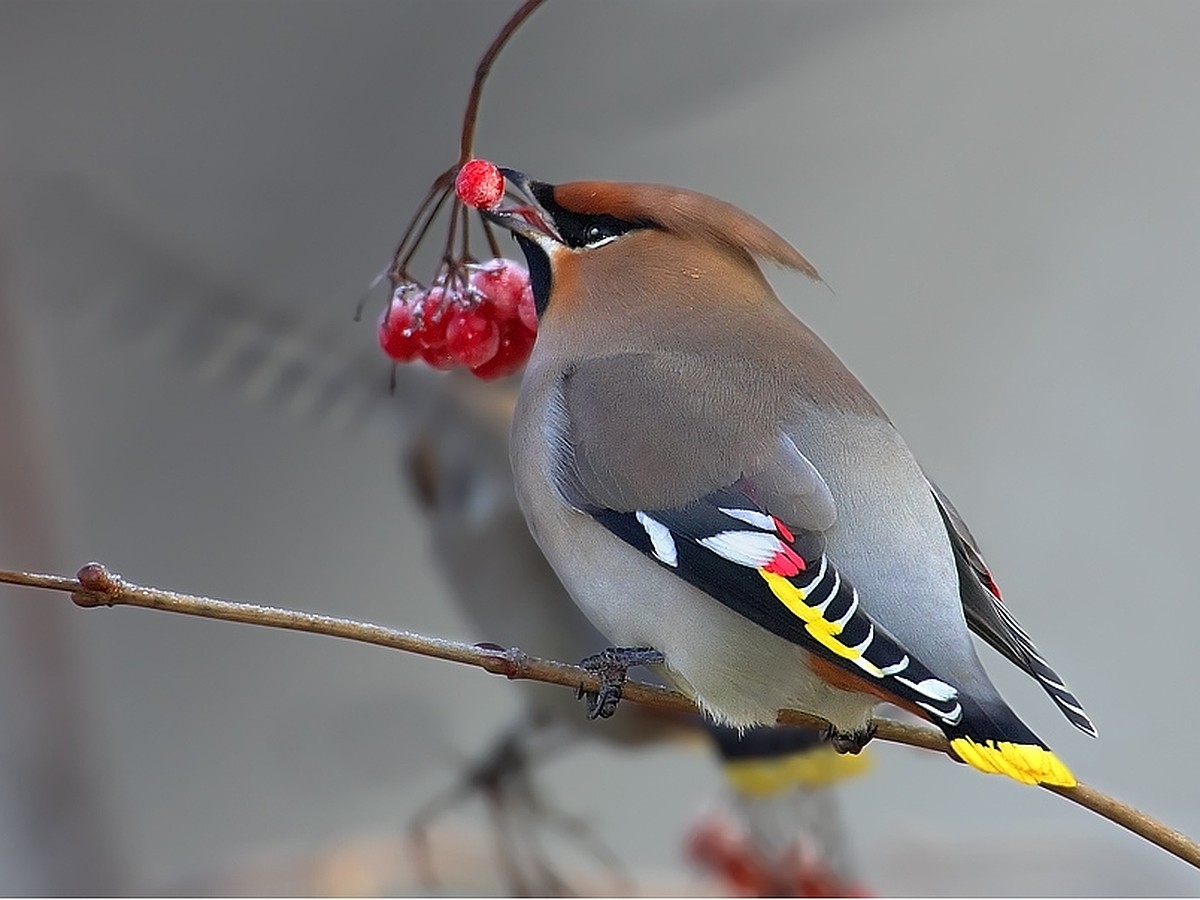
818 767
1027 763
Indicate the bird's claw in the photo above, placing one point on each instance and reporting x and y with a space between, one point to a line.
612 666
850 741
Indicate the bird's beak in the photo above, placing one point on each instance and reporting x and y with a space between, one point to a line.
520 212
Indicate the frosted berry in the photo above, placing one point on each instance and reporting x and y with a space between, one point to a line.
398 330
439 357
436 308
527 310
473 337
502 281
479 184
516 343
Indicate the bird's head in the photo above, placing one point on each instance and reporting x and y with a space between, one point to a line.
581 234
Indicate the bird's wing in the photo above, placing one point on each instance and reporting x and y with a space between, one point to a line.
727 544
680 445
743 521
989 617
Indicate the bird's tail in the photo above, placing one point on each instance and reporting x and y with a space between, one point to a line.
991 738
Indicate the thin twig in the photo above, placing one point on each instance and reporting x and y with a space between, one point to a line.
443 186
493 244
465 224
439 184
95 585
400 270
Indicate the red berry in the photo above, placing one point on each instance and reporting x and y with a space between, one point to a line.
527 310
473 337
397 330
439 357
502 281
516 342
479 184
436 307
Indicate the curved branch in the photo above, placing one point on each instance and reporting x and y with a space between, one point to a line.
95 585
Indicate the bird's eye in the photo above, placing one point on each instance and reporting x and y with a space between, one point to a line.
597 234
603 229
591 231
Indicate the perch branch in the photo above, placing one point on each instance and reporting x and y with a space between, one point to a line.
95 585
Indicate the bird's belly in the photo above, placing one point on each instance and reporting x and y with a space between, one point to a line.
740 673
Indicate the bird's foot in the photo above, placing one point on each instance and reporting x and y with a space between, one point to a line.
520 815
612 665
850 741
505 762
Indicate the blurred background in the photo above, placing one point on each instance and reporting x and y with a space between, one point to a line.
1003 197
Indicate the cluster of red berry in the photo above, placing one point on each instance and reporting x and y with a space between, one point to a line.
487 325
479 316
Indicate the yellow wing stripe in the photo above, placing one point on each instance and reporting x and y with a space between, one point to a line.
824 631
1027 763
816 768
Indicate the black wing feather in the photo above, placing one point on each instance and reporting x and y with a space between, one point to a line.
989 618
825 617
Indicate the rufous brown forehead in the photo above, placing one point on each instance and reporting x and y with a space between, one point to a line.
631 202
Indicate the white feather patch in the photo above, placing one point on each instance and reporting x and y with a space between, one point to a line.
1071 706
950 718
932 688
841 623
660 539
833 592
746 548
750 517
812 586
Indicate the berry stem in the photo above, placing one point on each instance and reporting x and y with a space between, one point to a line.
443 185
399 268
493 244
466 233
467 143
448 253
412 224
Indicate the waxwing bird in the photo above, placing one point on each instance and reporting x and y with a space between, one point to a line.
721 496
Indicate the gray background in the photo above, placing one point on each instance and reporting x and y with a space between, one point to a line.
1004 197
